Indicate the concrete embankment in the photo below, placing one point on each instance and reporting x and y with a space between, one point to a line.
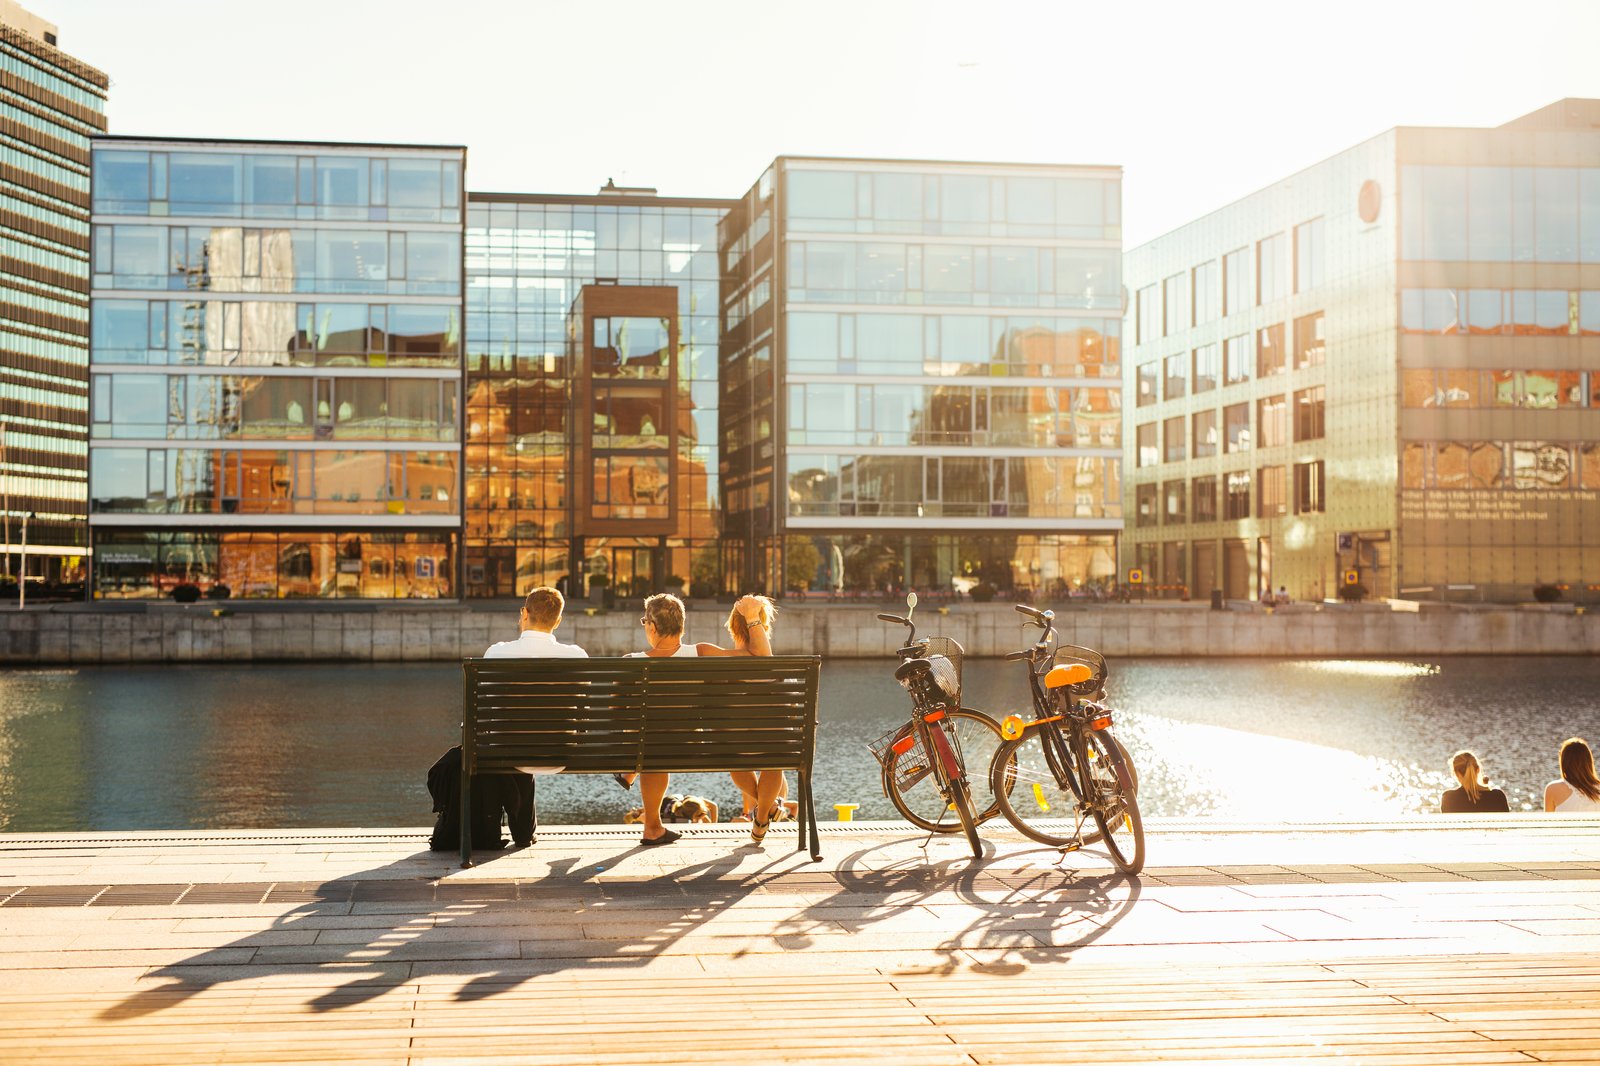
169 633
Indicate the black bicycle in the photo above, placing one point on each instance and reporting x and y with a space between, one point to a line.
1056 773
925 760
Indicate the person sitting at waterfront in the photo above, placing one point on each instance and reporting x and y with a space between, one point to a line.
1474 796
538 619
663 631
749 624
1578 790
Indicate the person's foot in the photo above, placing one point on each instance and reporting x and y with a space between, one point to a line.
625 780
758 831
667 837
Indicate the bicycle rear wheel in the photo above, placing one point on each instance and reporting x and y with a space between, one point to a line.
1115 807
909 783
1034 793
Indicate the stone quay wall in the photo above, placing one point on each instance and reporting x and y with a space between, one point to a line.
168 633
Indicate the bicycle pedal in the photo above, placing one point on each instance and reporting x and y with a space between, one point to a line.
1074 846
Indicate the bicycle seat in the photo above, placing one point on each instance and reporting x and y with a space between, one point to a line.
1067 675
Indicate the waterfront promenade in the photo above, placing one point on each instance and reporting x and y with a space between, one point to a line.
350 631
1420 942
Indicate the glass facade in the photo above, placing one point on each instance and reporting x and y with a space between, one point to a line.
1428 426
276 369
53 104
913 351
592 394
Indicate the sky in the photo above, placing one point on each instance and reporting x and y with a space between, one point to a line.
1201 101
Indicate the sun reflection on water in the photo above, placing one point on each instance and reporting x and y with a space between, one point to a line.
1368 668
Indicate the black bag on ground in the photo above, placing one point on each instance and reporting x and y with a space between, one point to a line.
492 795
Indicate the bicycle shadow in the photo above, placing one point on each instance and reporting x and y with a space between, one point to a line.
1007 918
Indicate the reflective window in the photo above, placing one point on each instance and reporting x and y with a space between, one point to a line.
1172 440
1203 492
1236 426
1236 359
1310 413
1272 421
1207 367
1272 491
1271 269
1148 451
1236 290
1206 292
1310 492
1236 499
1174 304
1176 375
1148 383
1205 434
1310 348
1500 214
1308 255
1271 357
1174 497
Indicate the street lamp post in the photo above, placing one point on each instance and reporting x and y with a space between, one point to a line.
22 566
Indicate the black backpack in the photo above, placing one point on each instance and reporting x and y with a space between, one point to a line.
510 794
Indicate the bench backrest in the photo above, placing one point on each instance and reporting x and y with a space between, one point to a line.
678 715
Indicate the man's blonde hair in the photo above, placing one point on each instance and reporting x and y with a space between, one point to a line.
544 606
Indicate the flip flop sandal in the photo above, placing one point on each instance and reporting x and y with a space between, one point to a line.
668 837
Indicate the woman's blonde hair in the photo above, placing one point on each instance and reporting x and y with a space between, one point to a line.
1577 767
1465 766
739 629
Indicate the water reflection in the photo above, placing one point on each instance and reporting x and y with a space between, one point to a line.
349 745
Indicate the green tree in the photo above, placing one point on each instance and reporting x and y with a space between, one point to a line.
802 560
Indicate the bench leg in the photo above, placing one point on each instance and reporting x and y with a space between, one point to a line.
466 814
808 818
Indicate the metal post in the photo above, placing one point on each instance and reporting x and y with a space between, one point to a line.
5 474
22 566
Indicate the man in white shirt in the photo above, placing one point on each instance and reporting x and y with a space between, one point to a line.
541 614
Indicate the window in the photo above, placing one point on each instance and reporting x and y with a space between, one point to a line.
1270 269
1309 413
1204 491
1176 375
1149 455
1147 384
1309 348
1172 503
1236 424
1236 281
1205 434
1308 255
1206 297
1272 421
1235 360
1146 500
1272 491
1309 488
1174 305
1148 314
1172 440
1270 355
1236 503
1205 368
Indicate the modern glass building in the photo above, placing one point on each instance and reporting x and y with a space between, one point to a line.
921 381
50 106
591 411
276 368
1383 370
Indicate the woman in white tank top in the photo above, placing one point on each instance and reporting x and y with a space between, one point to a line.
1578 790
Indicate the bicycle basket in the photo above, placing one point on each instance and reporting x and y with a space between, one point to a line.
951 650
912 766
942 683
1070 655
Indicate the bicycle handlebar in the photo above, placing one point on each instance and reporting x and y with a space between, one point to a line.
1013 656
892 618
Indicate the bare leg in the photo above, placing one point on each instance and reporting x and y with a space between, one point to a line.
746 782
653 787
769 787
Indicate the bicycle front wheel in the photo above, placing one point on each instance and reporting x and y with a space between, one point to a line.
911 786
961 800
1112 800
1035 790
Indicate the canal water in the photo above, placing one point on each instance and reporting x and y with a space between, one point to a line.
213 747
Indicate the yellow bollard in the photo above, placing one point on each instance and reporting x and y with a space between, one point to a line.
846 811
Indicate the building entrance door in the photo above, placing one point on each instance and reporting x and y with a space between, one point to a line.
633 572
1205 568
1235 570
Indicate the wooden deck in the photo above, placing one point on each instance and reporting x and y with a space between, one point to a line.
1461 942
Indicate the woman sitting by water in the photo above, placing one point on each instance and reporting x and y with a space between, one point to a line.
1474 796
1578 790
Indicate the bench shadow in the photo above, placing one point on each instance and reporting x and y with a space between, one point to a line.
689 896
1005 911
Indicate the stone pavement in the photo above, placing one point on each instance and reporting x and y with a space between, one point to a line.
1426 941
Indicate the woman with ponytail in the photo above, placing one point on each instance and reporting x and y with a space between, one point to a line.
1474 796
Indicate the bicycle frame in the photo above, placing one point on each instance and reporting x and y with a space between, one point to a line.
1057 747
